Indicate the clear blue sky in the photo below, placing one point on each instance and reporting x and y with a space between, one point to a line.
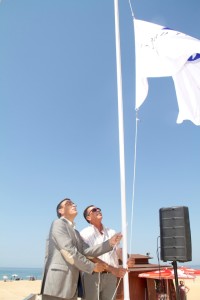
59 123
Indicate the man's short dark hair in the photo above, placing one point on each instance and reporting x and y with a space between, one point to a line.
59 206
85 214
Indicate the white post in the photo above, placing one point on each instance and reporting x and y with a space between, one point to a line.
121 149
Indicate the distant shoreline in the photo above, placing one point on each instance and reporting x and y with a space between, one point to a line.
20 268
17 274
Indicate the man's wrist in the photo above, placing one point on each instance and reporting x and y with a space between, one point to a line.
108 268
111 244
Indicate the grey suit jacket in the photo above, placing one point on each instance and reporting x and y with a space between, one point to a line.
65 257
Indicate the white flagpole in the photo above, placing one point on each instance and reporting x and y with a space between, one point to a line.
121 149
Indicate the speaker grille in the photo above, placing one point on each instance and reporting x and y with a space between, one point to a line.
175 234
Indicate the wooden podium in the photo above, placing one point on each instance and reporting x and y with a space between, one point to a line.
146 289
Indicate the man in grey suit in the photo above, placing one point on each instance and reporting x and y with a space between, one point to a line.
67 254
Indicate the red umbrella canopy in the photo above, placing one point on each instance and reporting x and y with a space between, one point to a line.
166 274
189 271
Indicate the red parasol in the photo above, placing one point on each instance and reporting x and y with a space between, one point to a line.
166 274
190 271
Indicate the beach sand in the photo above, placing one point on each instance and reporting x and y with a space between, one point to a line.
18 290
194 286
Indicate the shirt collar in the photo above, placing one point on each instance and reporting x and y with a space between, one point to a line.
103 228
73 224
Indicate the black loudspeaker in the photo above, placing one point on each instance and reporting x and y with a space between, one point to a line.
175 234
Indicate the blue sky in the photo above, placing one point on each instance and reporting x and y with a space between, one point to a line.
59 124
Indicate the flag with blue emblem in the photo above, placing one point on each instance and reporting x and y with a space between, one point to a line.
162 52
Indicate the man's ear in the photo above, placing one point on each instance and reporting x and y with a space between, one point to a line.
88 218
59 210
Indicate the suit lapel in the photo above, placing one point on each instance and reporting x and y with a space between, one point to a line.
72 232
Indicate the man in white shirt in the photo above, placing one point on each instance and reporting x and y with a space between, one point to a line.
101 286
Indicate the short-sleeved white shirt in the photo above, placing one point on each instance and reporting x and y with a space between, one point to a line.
92 237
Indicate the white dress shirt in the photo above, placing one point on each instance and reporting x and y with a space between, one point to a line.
92 237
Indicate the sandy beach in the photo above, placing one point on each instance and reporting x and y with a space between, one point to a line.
194 286
18 290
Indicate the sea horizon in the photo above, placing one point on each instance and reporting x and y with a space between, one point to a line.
24 273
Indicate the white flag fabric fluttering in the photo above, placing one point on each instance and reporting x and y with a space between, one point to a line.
161 52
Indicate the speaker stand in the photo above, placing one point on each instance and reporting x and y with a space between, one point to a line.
174 264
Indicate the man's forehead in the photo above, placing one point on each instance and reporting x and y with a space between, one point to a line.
62 201
90 208
67 201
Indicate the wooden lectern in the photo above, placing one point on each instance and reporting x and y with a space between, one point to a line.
143 288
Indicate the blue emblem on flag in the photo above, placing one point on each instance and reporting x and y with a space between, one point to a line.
194 57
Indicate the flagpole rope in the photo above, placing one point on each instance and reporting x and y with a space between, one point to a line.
116 289
134 175
98 289
131 8
135 155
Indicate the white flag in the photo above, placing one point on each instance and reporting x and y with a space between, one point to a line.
160 52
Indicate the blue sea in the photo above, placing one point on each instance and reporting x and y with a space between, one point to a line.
26 273
21 273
